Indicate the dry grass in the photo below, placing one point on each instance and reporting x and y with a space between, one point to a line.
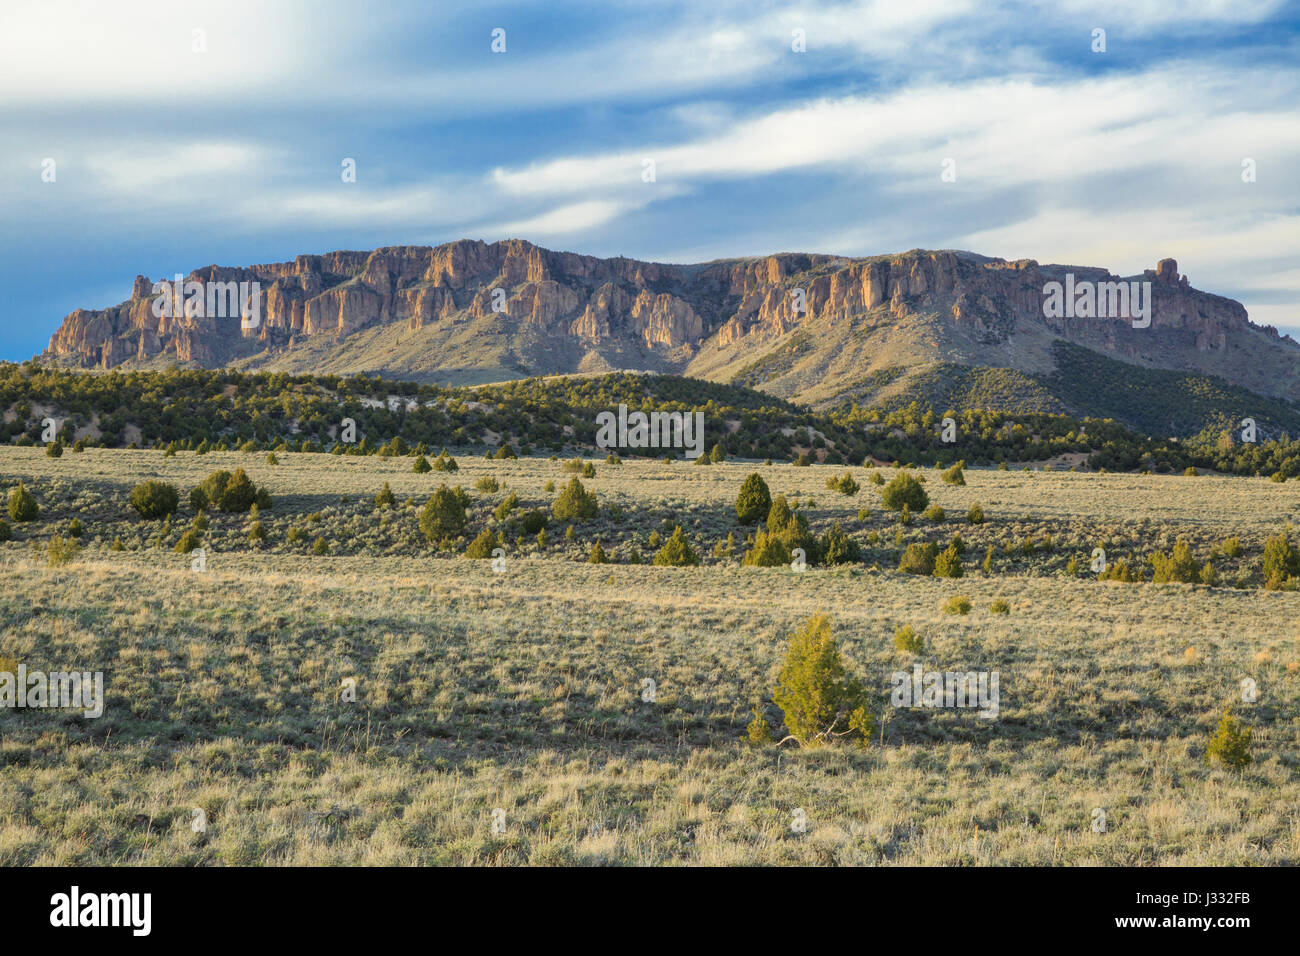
522 690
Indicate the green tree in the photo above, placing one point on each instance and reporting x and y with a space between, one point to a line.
676 552
820 702
902 490
443 516
575 503
22 504
1230 744
754 501
154 499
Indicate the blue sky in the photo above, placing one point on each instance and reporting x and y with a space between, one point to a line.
167 158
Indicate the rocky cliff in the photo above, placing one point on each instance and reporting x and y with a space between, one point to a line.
511 308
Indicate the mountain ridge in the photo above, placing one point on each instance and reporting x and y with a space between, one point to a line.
469 312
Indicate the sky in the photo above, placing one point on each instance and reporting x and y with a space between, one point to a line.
158 136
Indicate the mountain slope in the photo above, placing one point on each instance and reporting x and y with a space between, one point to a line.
872 329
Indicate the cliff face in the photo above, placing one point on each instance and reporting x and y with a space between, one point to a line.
666 312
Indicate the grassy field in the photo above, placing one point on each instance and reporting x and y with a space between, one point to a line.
522 691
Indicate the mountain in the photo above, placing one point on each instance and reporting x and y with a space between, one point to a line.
872 329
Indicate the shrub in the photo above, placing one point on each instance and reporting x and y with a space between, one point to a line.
876 478
845 485
481 547
975 515
758 730
954 475
385 497
768 552
509 504
1179 567
117 544
754 502
935 514
188 542
232 493
154 499
1281 560
904 490
1278 476
837 547
60 551
320 546
1231 547
444 462
574 503
1230 744
597 555
256 532
54 449
906 639
1191 472
487 483
75 528
999 606
271 459
919 558
820 702
421 465
948 563
22 505
959 604
536 521
676 552
1120 571
505 453
443 516
6 532
574 466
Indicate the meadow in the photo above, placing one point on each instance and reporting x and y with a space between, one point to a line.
380 700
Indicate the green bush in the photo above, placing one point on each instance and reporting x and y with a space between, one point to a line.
904 490
676 552
1281 559
444 462
488 483
754 502
919 558
421 465
1230 744
508 504
597 555
22 504
505 453
75 528
443 516
60 551
481 547
1179 567
768 552
575 503
845 485
256 532
232 493
906 639
837 547
154 499
6 532
758 730
959 604
320 546
188 542
975 515
385 497
536 521
954 475
935 514
999 606
54 449
820 702
948 563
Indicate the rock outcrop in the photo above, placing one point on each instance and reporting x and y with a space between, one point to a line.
519 289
